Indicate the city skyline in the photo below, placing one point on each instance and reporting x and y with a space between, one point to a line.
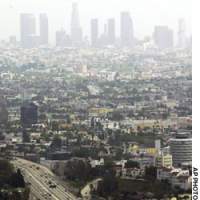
61 19
163 36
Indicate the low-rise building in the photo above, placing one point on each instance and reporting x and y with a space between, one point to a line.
176 177
164 160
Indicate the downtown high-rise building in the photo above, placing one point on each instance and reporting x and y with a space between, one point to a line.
62 39
126 31
28 30
94 32
163 37
44 29
103 39
182 40
111 31
76 30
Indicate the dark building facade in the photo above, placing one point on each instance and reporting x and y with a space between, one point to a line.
3 112
29 114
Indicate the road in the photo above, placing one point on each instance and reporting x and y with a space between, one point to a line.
86 191
44 185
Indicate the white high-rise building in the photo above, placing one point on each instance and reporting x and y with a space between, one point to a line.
27 30
76 30
163 37
44 29
182 40
111 31
126 32
181 149
94 32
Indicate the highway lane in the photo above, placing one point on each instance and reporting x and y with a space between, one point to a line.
59 190
34 194
41 178
38 187
39 174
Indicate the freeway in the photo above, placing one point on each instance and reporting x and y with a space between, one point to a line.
44 185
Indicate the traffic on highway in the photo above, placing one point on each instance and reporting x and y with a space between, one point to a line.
43 184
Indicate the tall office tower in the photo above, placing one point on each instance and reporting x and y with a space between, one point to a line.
181 149
127 36
76 31
103 39
44 29
94 32
163 37
105 30
182 33
62 39
29 114
27 30
111 31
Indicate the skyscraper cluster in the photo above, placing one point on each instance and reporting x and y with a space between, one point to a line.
28 36
75 39
30 39
163 36
109 35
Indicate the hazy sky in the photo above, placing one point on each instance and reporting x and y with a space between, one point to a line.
145 13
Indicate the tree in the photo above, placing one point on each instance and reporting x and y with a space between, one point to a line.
77 170
6 169
9 179
117 116
132 164
108 185
17 180
26 137
55 126
3 115
2 137
57 142
150 173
